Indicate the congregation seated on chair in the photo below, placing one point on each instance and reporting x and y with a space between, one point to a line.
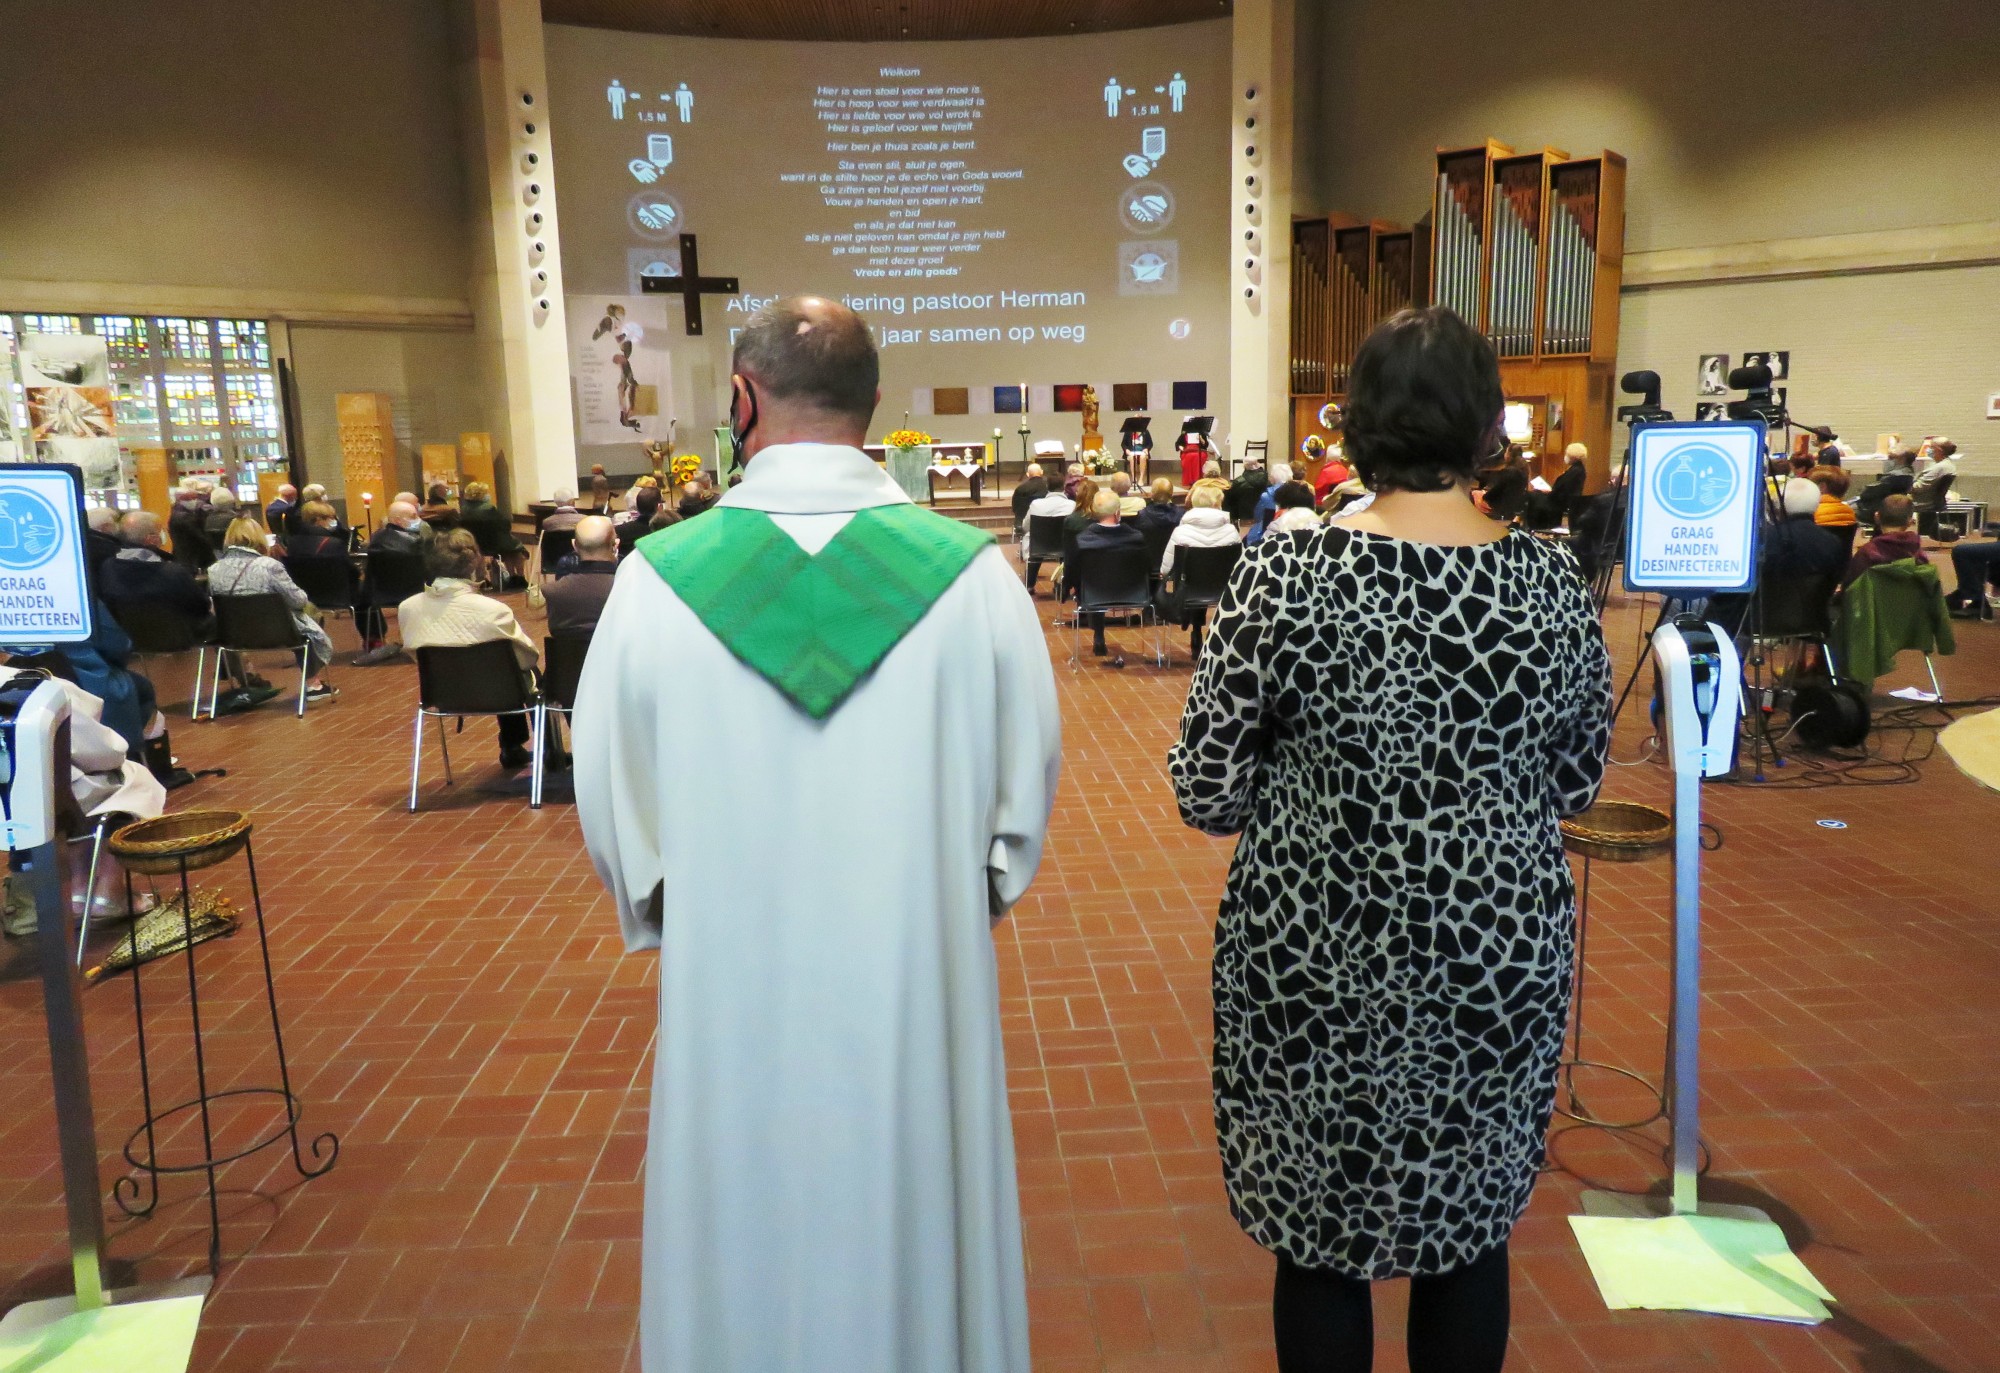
451 613
316 557
1107 533
1895 539
142 574
492 531
565 515
1294 508
1034 485
1795 547
396 570
438 511
1205 525
576 600
246 568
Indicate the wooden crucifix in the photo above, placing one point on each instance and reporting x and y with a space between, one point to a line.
690 285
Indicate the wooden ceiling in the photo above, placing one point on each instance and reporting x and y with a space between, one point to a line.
866 21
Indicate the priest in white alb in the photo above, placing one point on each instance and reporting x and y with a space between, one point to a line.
816 747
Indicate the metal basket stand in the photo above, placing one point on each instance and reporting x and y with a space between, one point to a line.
144 1181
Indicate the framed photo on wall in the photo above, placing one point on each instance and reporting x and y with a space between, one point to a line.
1712 378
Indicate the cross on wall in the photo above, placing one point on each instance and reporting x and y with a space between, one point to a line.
690 285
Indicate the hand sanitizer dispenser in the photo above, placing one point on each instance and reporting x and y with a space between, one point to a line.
1701 685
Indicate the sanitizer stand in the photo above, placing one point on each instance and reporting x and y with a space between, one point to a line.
133 1331
1672 1252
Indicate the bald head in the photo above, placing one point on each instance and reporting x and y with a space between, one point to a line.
403 513
596 539
805 371
140 529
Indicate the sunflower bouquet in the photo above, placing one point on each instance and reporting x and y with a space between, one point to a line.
908 438
685 469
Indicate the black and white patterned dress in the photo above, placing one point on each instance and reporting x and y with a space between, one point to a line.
1395 728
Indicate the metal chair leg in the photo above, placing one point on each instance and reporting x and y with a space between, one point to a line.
444 747
305 663
214 687
416 759
537 720
1936 686
90 889
200 668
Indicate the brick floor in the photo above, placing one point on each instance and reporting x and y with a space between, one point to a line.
457 1008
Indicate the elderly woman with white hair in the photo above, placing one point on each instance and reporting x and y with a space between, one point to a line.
1267 504
1793 549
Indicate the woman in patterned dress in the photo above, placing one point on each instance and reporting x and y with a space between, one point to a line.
1394 710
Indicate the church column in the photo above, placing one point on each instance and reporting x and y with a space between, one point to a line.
517 288
1260 219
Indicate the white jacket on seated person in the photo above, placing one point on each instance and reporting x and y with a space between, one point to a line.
1201 527
450 613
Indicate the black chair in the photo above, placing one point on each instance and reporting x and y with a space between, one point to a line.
260 623
389 579
1195 587
629 534
562 669
477 679
1066 585
1045 544
1930 502
1797 610
554 546
1112 581
1157 532
161 631
327 582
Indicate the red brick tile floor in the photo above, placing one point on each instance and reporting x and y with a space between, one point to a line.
457 1007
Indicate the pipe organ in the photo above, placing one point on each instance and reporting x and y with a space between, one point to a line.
1527 247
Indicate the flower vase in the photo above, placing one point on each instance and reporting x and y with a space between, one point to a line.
909 469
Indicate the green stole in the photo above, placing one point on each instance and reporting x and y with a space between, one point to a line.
812 625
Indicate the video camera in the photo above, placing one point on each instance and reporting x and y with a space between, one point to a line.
1645 385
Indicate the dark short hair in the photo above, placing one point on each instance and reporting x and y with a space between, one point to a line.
1293 496
1834 481
662 518
454 553
1422 400
647 501
439 493
821 355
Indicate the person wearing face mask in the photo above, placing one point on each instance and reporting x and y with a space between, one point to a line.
401 532
831 1150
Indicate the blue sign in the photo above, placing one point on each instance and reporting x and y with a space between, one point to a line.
1696 501
44 585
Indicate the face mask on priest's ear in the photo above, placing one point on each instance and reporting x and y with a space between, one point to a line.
739 437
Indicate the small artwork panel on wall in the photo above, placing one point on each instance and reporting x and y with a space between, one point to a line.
1008 400
1712 379
951 400
1128 396
1069 397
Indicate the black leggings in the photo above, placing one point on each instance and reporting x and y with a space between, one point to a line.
1325 1322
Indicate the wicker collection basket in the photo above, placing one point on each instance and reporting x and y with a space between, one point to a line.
1619 832
198 838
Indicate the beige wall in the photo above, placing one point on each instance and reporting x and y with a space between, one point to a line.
1863 116
1750 134
430 376
290 151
